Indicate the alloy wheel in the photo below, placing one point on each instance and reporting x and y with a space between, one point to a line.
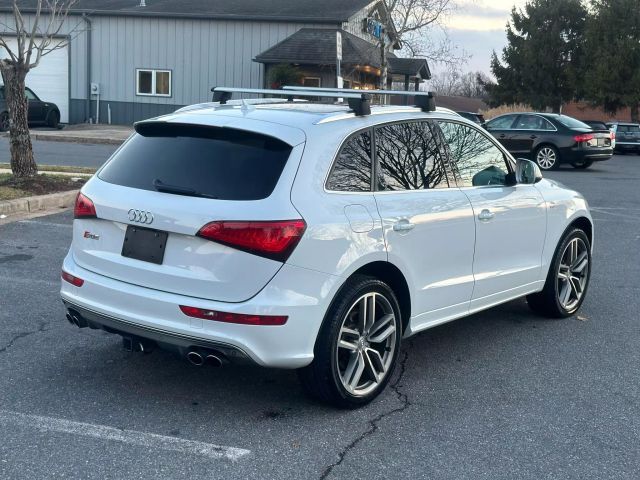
573 274
366 344
546 158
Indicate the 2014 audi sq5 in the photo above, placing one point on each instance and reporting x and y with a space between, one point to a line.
313 237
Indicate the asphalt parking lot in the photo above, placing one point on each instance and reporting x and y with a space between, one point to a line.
499 395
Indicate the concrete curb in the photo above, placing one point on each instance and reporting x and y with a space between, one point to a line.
78 139
63 174
70 137
40 202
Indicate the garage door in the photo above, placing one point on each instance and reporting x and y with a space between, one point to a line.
50 79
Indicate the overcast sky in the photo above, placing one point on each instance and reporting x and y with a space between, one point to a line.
478 27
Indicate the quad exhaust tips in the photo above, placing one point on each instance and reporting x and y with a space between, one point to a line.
204 357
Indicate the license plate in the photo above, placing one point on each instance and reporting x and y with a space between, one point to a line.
144 244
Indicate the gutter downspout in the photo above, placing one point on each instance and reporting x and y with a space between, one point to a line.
87 107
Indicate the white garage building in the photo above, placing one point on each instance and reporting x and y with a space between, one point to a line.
50 80
150 58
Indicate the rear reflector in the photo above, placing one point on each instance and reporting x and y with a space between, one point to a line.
274 240
75 281
240 318
585 137
84 207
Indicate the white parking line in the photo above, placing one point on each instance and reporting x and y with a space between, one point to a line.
149 440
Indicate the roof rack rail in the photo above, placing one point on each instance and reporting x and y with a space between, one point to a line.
424 100
359 102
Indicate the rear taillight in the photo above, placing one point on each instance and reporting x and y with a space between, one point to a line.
585 137
274 240
613 135
240 318
84 207
75 281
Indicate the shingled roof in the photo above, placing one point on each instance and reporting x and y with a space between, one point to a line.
324 11
317 46
414 67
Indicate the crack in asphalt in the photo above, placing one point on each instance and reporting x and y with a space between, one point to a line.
21 335
373 423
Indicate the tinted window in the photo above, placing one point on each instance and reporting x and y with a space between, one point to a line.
474 158
501 123
30 95
532 122
410 157
217 162
351 171
629 128
571 122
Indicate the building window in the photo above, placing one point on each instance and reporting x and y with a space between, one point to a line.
311 82
155 83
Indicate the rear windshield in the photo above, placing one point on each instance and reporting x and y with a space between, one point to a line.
629 128
571 122
210 162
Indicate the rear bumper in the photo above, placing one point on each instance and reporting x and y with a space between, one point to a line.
130 310
585 154
627 146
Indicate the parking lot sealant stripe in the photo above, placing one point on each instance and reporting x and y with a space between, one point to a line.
132 437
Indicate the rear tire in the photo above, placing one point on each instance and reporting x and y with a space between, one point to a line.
582 164
547 157
357 347
568 279
53 119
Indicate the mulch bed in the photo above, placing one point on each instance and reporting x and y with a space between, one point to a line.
11 187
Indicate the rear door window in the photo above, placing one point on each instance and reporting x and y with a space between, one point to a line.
211 162
410 157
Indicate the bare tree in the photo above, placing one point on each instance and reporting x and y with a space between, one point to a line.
38 33
409 21
452 82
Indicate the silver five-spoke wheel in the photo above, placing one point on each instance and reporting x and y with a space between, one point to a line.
546 158
366 344
573 274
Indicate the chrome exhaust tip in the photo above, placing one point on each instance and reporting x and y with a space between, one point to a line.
76 319
195 358
214 360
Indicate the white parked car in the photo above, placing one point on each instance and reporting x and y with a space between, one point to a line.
304 236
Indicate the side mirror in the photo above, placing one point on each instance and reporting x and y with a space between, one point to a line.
527 172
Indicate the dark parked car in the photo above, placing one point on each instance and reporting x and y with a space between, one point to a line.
596 124
474 117
551 139
627 136
40 112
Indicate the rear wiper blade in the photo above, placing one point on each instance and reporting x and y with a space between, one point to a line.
160 186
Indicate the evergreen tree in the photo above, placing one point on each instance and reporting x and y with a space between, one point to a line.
541 63
612 66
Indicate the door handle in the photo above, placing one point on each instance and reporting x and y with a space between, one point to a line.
486 215
533 137
503 136
403 226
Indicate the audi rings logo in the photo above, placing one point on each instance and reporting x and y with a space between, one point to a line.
140 216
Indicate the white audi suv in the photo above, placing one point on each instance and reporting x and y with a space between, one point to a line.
316 237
